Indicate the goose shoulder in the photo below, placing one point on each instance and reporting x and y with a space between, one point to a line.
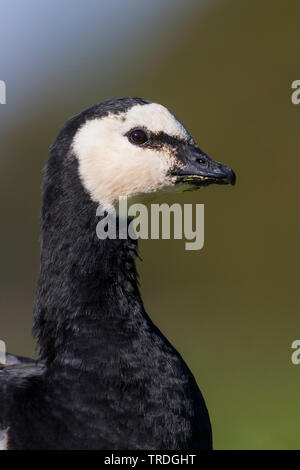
15 373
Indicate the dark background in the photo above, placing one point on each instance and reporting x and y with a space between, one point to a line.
225 68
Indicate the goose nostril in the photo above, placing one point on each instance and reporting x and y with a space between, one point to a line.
201 161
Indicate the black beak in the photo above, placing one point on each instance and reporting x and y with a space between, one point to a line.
199 169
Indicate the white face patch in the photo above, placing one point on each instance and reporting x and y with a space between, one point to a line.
111 166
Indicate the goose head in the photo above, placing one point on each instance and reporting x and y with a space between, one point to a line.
129 147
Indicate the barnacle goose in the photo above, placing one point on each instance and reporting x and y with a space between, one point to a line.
106 377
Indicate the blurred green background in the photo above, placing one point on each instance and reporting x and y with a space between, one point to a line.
225 68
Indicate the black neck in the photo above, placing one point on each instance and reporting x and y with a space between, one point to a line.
87 297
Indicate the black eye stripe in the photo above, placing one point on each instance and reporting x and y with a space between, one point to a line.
163 138
142 136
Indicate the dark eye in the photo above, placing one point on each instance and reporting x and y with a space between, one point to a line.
138 136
